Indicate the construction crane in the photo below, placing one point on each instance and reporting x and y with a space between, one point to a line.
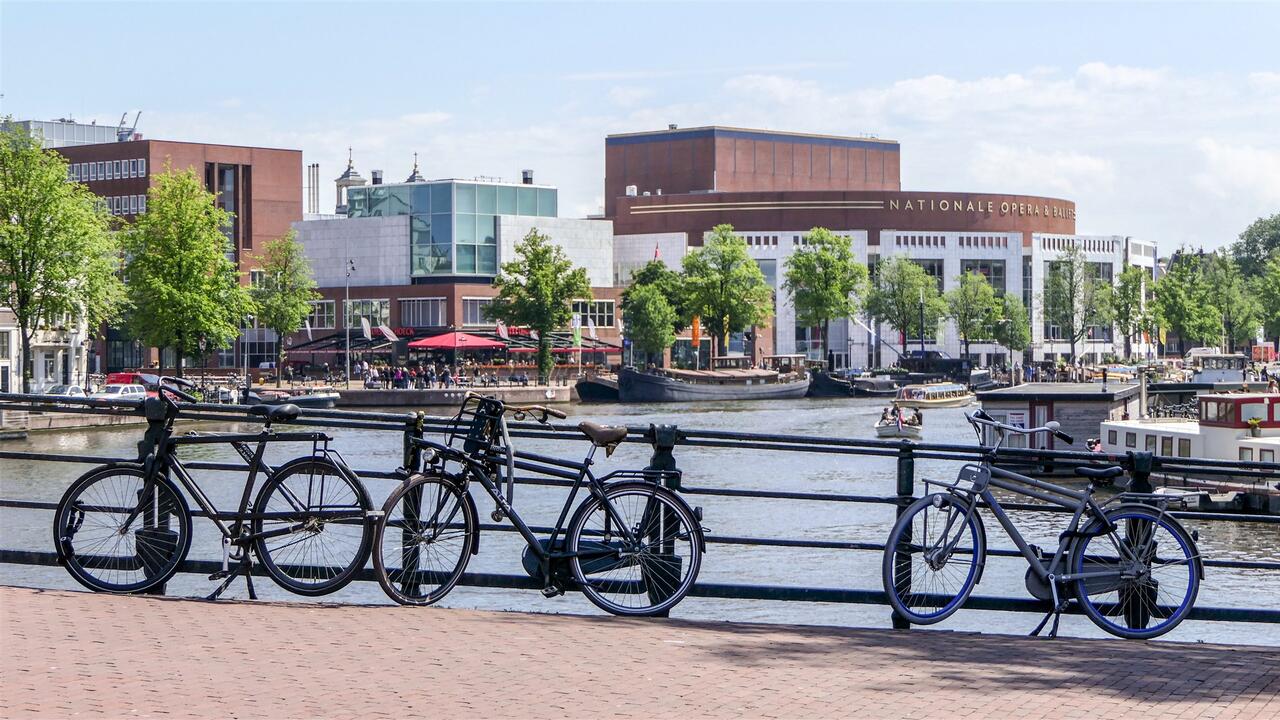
123 135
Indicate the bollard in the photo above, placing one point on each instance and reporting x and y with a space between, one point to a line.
663 438
906 494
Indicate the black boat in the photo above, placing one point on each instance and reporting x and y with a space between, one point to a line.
875 386
598 389
732 378
825 384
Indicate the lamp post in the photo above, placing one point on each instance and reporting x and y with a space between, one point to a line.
346 318
248 379
922 324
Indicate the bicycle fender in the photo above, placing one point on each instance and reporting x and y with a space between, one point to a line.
964 500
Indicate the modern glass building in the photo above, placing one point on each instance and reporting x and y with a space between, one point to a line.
453 223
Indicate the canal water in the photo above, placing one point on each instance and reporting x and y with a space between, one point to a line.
703 467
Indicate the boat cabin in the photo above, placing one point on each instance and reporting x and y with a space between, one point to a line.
1078 407
785 363
1225 430
731 362
1209 367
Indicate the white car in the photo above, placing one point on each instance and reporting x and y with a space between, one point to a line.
65 391
121 392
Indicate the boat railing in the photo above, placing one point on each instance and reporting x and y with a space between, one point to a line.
668 443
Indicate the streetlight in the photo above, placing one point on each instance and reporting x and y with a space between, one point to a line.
346 319
248 323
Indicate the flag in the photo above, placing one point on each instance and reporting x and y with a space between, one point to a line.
307 322
655 251
364 328
577 331
533 333
1163 336
502 331
386 333
591 328
695 332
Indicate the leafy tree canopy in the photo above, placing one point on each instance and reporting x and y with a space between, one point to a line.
669 283
973 306
896 294
1012 328
825 279
284 296
650 319
725 286
1256 245
1133 315
1075 298
1183 304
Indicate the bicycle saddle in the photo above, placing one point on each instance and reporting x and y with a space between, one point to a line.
603 436
276 413
1100 474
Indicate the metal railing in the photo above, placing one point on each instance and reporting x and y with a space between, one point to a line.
665 439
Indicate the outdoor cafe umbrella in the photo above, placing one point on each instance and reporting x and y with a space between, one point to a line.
456 341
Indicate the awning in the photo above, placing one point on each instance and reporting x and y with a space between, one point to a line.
456 341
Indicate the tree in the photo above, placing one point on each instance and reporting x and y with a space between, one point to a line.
1256 245
1075 298
973 306
670 285
725 286
1182 302
1240 312
58 257
1132 314
825 280
284 296
650 320
896 295
535 290
1266 287
1012 328
182 287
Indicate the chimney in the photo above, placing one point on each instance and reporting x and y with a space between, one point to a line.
526 177
377 176
671 126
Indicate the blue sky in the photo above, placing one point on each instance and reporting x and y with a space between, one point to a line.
1161 121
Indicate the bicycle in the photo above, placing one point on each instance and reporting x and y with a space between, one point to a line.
633 546
126 527
1133 569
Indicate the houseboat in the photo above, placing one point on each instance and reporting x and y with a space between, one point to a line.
730 378
934 395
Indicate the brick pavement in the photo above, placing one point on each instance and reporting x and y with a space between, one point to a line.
78 654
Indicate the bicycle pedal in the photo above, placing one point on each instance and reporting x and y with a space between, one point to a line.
219 575
551 591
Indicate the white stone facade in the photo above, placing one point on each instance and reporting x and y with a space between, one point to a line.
589 243
59 355
379 247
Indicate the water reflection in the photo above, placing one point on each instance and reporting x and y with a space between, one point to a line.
703 468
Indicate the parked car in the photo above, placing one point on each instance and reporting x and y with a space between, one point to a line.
118 391
65 391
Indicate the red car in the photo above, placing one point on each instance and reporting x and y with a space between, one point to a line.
147 380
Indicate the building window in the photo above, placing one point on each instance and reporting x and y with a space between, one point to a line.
1166 446
4 346
119 169
992 270
256 277
473 311
1246 454
1184 447
133 204
142 167
123 354
1266 456
600 312
1151 443
142 203
933 268
422 312
1131 440
377 312
322 314
1111 437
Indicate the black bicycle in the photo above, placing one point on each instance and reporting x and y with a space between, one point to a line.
126 527
633 546
1133 569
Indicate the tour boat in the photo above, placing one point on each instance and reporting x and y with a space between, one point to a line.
934 395
730 378
1209 365
895 427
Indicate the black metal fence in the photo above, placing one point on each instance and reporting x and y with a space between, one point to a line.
666 441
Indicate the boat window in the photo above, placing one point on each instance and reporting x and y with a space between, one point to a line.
1111 437
1246 454
1166 446
1210 411
1253 410
1131 439
1266 455
1184 447
1151 443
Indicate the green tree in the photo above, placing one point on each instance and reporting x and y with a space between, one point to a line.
650 320
1012 328
1132 313
973 306
1075 298
825 280
284 296
725 286
1266 287
1183 305
1231 296
182 287
1256 245
58 256
668 282
899 288
535 290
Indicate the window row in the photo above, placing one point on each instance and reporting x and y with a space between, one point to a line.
125 204
423 312
322 315
599 312
107 170
473 311
448 198
377 312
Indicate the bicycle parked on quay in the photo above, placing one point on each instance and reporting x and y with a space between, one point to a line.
633 546
1132 568
126 527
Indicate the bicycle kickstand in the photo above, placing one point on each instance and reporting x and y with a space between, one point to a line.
1055 613
243 567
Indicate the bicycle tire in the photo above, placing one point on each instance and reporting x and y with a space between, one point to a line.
398 556
648 571
90 516
331 529
1141 598
900 588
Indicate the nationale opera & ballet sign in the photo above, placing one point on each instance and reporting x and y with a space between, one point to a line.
989 207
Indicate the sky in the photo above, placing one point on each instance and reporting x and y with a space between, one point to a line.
1160 121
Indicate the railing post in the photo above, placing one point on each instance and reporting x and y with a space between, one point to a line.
663 438
413 431
906 494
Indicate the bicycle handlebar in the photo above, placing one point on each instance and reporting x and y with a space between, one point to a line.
982 418
525 409
164 387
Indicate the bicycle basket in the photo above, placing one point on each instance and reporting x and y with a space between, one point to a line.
478 426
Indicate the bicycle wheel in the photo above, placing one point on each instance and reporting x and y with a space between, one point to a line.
423 540
1145 573
649 575
114 533
933 559
311 527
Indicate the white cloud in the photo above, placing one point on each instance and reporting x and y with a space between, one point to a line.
1061 173
629 95
1240 170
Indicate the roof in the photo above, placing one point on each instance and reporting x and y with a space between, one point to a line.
749 134
1063 391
